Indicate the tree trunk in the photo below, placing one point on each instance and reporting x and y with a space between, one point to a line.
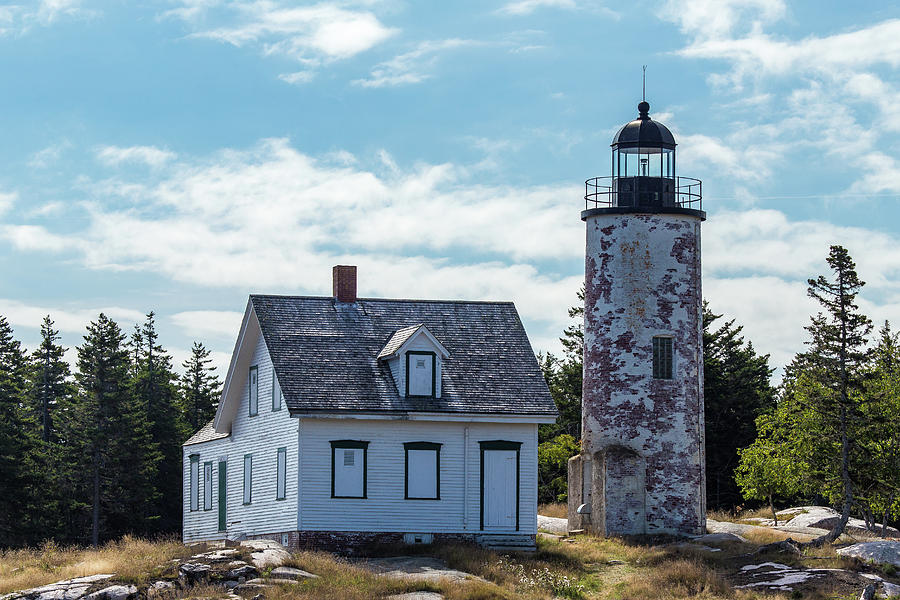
838 529
95 520
774 514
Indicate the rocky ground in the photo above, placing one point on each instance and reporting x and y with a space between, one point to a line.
861 562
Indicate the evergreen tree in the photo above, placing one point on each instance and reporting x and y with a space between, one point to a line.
837 353
154 385
16 441
878 475
109 447
199 388
736 392
49 378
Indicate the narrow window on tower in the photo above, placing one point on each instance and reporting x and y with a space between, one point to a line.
662 357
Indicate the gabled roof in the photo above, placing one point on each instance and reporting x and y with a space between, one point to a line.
325 355
207 433
402 336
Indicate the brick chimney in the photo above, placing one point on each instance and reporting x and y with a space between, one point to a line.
344 282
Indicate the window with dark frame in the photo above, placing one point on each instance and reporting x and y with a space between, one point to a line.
207 485
662 357
276 392
248 478
422 467
281 465
421 373
195 482
349 466
254 390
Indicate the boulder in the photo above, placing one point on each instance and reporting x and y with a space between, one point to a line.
720 538
160 588
192 573
885 551
246 571
249 589
823 517
266 553
889 590
416 596
291 573
114 592
553 524
415 568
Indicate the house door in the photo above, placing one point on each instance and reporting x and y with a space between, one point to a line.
500 489
223 494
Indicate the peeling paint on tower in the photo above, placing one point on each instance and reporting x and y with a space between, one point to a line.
641 469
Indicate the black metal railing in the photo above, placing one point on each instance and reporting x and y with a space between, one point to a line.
643 191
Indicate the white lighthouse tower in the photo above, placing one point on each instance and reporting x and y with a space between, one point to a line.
642 465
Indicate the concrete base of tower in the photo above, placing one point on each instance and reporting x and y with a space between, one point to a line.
608 496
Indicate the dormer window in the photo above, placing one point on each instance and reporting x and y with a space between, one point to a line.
415 358
420 372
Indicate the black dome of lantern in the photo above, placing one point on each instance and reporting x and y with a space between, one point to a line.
644 133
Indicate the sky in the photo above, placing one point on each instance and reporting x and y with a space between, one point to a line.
178 155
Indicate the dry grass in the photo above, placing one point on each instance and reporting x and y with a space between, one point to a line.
131 559
556 509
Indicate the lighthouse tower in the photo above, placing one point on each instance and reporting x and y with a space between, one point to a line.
642 467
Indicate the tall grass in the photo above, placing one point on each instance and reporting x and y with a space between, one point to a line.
131 559
556 509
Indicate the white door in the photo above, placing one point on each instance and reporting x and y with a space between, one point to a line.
500 489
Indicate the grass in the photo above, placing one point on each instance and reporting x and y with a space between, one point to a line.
580 569
132 559
556 509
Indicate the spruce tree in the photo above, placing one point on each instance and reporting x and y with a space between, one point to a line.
834 362
736 392
109 445
200 388
50 375
16 442
155 388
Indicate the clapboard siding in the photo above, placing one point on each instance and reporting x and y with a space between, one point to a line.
260 436
385 508
202 524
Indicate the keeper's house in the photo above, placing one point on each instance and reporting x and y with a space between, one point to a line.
346 421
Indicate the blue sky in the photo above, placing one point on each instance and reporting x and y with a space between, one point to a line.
177 155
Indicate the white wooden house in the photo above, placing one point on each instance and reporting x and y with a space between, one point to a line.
347 421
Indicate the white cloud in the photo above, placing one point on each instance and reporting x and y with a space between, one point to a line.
7 200
413 66
70 320
207 323
719 18
20 19
272 219
47 156
114 156
325 31
298 77
526 7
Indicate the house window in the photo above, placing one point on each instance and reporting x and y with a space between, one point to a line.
420 373
282 473
276 392
348 468
207 486
662 357
423 471
254 391
248 478
195 481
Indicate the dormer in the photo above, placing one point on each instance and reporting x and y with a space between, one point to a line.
415 358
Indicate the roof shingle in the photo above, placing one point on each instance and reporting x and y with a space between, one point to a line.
325 355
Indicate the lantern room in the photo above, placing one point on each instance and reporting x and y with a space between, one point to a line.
643 170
